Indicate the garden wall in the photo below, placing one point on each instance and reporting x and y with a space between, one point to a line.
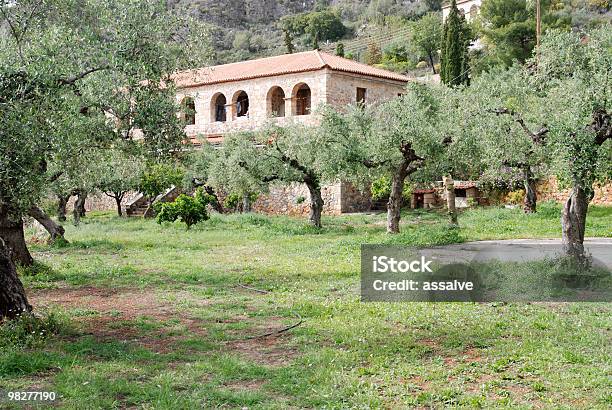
549 191
294 199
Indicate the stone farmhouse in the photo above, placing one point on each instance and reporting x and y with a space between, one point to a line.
284 89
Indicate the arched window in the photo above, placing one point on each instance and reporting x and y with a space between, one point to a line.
218 108
241 104
276 102
301 99
188 110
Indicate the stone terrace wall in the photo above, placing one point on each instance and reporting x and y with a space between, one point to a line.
283 200
338 198
549 191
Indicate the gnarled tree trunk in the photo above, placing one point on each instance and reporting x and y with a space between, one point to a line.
62 202
531 198
55 230
449 187
79 206
11 231
573 222
394 205
13 299
316 204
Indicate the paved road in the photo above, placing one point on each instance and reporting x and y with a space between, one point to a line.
517 250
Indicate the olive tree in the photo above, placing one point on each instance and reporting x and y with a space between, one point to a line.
286 155
395 139
573 75
119 175
71 74
504 112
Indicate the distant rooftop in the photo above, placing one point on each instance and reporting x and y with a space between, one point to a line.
278 65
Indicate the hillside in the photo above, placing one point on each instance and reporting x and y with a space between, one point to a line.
249 28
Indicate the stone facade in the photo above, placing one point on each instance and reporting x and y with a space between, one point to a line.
326 87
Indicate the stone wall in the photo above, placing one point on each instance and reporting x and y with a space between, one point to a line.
283 200
99 202
549 191
338 198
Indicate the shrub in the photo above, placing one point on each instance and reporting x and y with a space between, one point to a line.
158 178
233 200
515 197
381 189
189 209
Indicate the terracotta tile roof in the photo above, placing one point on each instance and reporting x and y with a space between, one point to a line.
283 64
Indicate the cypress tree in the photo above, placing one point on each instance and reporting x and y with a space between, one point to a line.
454 60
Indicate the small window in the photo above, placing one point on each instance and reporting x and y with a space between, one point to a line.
460 193
361 95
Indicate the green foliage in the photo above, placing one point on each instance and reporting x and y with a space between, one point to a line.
233 200
427 37
381 188
340 49
242 40
119 172
186 208
573 73
64 98
454 57
515 197
288 41
397 57
157 178
318 26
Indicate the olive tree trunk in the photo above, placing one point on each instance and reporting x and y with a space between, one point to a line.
531 197
119 209
62 202
573 222
13 299
11 231
316 204
449 187
246 203
394 205
55 230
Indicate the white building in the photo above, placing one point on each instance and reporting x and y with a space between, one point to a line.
469 8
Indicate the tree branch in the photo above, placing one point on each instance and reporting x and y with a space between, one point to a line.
74 79
537 137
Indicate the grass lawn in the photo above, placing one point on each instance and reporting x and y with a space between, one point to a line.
150 316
